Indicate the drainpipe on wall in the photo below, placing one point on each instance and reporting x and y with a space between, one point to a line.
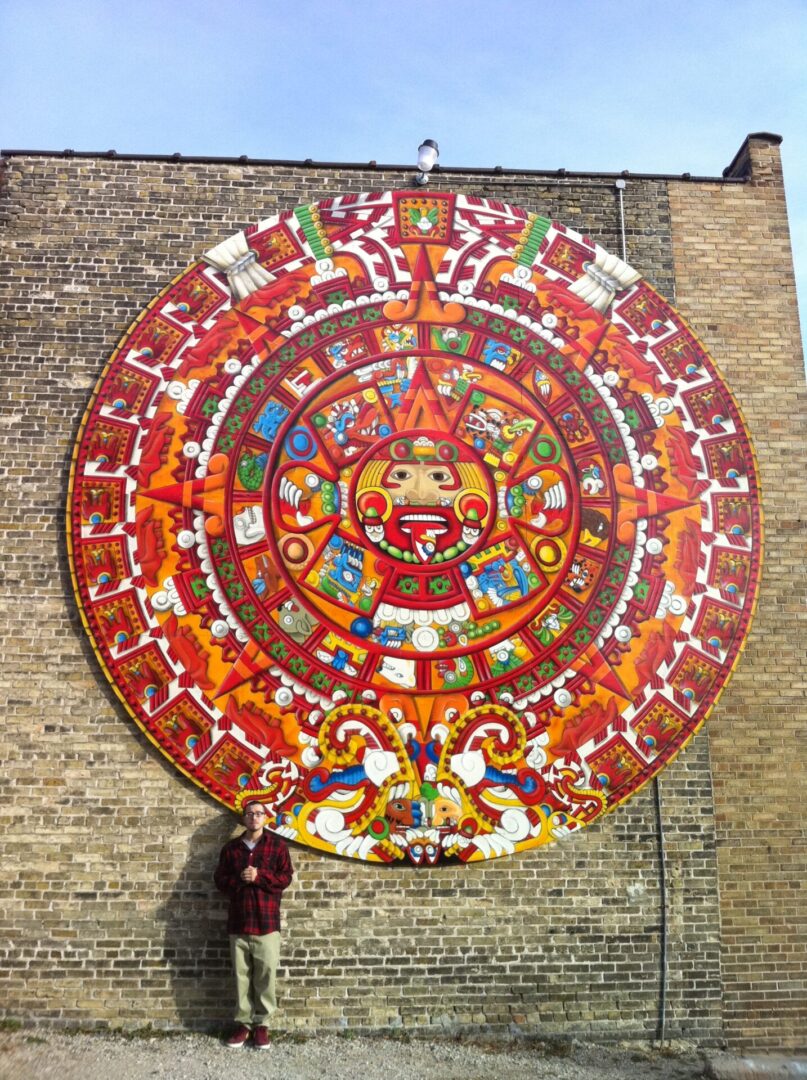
620 186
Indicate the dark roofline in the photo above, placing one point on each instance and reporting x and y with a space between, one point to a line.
445 170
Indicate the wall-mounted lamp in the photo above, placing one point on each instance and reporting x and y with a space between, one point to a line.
428 153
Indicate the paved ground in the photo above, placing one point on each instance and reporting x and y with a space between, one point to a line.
755 1067
44 1054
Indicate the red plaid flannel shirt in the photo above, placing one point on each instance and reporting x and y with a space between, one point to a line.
254 908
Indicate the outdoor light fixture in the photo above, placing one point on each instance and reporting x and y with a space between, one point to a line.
428 153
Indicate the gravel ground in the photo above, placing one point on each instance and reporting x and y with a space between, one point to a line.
197 1057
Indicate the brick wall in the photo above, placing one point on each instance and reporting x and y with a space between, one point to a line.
107 913
734 278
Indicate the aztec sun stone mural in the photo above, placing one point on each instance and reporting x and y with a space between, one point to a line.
420 517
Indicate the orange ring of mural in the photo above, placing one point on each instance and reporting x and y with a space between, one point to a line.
421 518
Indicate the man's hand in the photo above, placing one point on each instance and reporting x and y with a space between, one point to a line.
249 874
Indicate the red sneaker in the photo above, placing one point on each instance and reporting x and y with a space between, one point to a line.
239 1037
260 1038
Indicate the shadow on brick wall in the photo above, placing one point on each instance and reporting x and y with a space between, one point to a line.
195 944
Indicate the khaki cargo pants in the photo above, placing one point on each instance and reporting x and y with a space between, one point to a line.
255 958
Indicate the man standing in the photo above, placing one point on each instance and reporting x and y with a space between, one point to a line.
253 871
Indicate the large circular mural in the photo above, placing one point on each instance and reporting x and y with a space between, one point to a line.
420 517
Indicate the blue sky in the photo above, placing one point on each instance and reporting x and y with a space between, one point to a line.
579 84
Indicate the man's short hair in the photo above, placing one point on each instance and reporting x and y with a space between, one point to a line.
253 802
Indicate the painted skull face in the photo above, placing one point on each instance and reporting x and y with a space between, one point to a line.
423 499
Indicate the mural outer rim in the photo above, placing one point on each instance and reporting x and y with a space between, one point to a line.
747 613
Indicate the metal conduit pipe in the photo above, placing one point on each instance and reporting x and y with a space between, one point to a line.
662 855
662 877
620 187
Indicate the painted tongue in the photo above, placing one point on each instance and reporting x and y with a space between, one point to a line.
422 533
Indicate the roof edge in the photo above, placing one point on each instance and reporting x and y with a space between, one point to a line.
374 166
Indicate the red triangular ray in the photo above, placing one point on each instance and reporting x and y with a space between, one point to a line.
421 407
249 663
601 672
205 494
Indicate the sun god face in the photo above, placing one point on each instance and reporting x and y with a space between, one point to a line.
423 500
